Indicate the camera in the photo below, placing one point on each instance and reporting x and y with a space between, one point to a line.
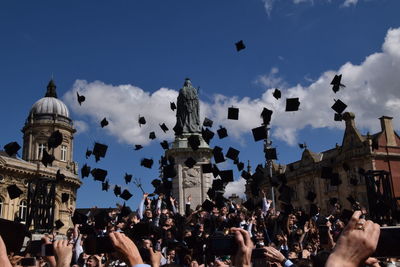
98 244
388 243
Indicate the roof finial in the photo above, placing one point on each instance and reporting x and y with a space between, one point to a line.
51 89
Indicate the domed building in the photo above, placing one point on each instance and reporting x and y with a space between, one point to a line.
46 116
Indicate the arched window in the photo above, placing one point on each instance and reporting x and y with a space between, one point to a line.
40 150
23 209
1 207
63 153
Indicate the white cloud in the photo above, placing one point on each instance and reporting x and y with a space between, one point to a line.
236 187
348 3
268 5
80 126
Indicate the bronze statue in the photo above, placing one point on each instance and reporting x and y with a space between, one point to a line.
187 113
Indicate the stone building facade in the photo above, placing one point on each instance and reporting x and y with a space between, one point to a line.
46 116
380 151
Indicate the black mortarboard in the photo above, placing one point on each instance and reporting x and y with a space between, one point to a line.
207 122
215 171
270 153
79 218
335 179
240 45
339 106
58 224
147 163
164 127
104 186
64 197
152 135
333 201
138 147
249 204
311 196
169 171
47 159
125 211
211 193
292 104
194 142
207 135
99 174
302 146
220 200
277 93
60 176
260 133
55 139
266 116
226 176
172 106
246 175
233 113
222 132
164 144
326 172
99 151
101 219
206 168
13 235
103 123
81 98
117 190
232 153
88 153
141 120
218 185
190 162
128 178
207 205
12 148
156 183
218 156
338 117
14 191
85 170
336 82
126 195
240 166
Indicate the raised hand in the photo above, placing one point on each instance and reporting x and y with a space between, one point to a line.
63 252
126 248
245 247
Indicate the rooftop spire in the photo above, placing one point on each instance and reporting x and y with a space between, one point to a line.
51 89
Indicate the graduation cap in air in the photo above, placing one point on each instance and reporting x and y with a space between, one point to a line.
14 191
218 155
85 170
138 147
302 146
58 224
169 171
207 205
292 104
126 195
233 113
12 148
64 197
226 176
79 218
222 132
47 159
99 174
128 178
270 153
215 171
55 139
104 123
105 186
259 133
80 98
125 211
336 82
218 185
266 116
164 127
172 106
141 120
99 151
207 122
333 201
335 179
240 166
147 163
206 168
60 176
101 219
277 93
194 141
190 162
211 193
338 117
117 190
152 135
249 204
245 175
240 45
13 235
232 153
311 196
326 172
339 106
207 135
220 201
164 144
88 153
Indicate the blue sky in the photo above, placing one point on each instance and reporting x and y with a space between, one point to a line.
134 55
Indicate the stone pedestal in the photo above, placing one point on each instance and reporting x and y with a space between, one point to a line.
190 181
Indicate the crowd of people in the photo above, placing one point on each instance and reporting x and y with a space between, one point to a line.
156 234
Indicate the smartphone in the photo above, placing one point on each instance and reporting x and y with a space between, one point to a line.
388 243
98 244
258 253
28 262
223 245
